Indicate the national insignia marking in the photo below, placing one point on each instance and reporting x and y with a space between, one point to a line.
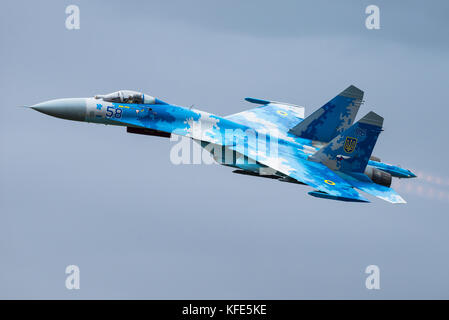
350 144
282 113
329 182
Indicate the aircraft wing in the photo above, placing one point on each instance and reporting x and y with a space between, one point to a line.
317 175
271 116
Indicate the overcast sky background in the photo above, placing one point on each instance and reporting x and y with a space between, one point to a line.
140 227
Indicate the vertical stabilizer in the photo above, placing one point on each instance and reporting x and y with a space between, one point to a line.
351 150
331 119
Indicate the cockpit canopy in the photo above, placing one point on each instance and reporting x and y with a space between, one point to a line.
128 96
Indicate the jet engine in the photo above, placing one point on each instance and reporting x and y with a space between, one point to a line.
378 176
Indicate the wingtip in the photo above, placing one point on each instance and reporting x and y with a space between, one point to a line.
257 101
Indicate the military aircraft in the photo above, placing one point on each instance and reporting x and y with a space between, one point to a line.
325 150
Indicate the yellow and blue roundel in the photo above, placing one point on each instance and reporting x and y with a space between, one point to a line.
282 113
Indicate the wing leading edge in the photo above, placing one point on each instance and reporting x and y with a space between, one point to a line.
270 116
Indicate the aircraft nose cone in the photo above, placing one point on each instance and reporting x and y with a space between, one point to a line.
70 109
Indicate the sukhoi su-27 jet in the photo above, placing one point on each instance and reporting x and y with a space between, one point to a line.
326 150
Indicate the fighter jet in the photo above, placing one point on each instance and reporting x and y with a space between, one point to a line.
326 150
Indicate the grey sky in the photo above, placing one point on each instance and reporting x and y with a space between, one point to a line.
140 227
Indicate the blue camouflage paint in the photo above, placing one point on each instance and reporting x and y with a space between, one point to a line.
395 171
290 159
260 140
333 118
351 150
293 152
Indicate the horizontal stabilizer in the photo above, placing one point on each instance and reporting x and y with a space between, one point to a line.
378 191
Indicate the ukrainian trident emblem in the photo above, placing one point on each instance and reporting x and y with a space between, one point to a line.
350 144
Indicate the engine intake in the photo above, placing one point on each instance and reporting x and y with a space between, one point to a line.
148 132
378 176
